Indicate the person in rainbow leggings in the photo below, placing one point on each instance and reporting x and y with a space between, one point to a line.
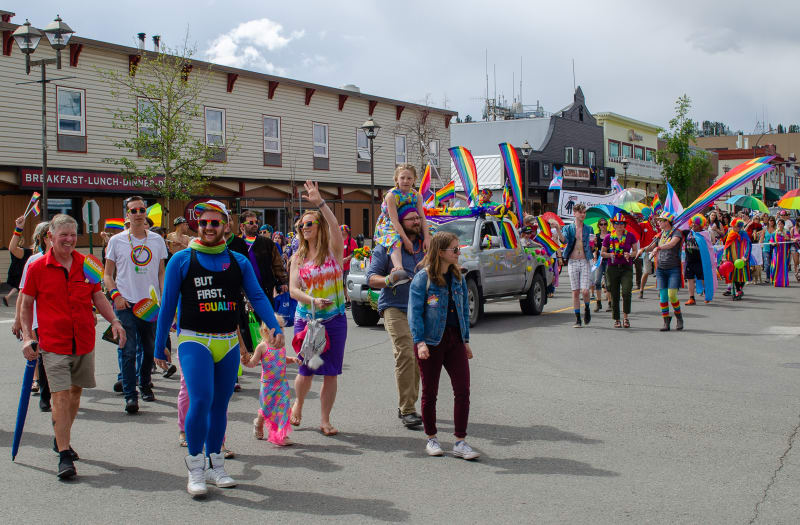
204 282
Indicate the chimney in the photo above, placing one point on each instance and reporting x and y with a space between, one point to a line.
746 142
156 42
141 37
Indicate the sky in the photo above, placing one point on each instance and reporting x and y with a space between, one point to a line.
737 63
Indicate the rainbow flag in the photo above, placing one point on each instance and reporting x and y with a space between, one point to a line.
445 194
508 235
615 185
557 181
544 237
465 166
33 205
425 182
656 205
115 224
36 209
511 161
146 310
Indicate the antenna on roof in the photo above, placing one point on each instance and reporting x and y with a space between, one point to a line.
520 81
573 75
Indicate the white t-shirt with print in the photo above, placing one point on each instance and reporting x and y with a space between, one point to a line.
138 272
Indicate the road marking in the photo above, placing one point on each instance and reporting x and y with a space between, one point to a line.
571 308
6 321
790 331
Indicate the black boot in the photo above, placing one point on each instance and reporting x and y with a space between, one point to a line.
678 322
587 315
667 320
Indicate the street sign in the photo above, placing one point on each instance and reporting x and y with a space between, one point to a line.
91 214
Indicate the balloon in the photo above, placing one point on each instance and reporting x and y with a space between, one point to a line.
725 269
739 264
529 268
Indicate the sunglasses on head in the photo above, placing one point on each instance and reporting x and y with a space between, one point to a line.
308 224
134 211
213 223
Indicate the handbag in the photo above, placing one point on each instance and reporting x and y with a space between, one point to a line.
285 307
254 328
312 341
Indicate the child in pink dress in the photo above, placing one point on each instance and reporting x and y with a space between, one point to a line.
274 397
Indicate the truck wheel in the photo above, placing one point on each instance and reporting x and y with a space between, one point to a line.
533 302
363 314
475 303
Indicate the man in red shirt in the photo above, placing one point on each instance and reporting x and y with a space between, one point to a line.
64 295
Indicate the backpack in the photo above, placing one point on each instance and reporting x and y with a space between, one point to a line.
312 341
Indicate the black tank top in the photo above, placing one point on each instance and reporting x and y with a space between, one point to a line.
209 299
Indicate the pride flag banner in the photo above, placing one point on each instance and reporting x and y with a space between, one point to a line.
511 161
465 166
508 236
557 181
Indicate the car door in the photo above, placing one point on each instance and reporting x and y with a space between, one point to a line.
515 262
493 264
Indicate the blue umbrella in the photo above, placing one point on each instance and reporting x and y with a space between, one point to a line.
24 398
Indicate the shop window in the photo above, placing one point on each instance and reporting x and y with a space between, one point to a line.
400 152
651 155
147 122
71 207
569 155
215 133
320 137
638 153
580 156
71 119
363 161
591 158
613 149
627 150
272 141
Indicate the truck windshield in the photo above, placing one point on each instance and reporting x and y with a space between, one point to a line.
464 229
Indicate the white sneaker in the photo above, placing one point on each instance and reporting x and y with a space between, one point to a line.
197 479
433 448
462 450
215 472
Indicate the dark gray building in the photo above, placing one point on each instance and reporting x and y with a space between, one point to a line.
569 139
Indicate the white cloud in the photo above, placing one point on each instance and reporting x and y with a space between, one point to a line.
247 45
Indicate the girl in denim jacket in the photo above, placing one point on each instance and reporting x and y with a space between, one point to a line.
438 312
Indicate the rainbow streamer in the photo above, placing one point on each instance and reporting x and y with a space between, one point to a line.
656 205
557 181
508 236
425 182
115 224
465 166
146 310
511 161
738 176
92 269
615 185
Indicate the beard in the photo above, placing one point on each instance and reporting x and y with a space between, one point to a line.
413 231
215 240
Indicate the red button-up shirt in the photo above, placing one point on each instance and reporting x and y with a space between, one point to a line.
63 304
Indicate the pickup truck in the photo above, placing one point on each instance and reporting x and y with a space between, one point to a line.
494 272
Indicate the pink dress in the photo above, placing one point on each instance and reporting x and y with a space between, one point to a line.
274 396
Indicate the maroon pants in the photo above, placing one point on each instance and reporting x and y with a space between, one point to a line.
451 354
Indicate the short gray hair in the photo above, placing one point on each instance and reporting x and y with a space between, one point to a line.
62 220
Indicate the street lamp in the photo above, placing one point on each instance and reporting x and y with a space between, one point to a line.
371 131
27 38
526 150
625 163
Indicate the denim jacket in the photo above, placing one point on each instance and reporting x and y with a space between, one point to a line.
569 237
427 309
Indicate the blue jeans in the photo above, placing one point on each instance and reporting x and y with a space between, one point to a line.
139 356
668 278
141 337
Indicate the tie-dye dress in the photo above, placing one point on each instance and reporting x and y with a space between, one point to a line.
274 396
779 265
385 233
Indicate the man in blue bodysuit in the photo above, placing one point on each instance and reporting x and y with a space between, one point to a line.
204 282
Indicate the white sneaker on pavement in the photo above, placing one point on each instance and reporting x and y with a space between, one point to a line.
197 478
433 448
215 472
462 450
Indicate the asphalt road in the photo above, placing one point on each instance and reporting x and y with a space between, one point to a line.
591 425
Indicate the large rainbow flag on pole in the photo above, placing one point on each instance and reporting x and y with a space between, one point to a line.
465 166
511 161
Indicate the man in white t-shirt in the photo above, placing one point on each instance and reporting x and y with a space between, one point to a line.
135 264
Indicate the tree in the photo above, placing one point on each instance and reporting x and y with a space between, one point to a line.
794 128
160 102
468 118
781 129
421 133
685 167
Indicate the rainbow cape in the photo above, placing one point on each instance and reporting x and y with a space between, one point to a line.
511 161
115 224
465 166
425 182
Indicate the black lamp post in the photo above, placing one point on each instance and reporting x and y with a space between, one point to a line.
27 38
625 163
526 150
371 131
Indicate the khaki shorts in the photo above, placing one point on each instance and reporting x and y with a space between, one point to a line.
67 370
648 264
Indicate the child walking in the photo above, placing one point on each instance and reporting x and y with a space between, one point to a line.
438 313
274 395
400 201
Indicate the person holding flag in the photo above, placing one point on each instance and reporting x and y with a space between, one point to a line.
19 256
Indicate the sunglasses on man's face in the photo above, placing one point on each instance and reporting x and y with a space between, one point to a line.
252 223
212 223
308 224
134 211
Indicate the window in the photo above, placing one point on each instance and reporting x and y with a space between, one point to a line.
591 158
638 152
272 135
433 150
651 155
580 156
215 127
400 153
627 150
147 118
613 149
569 154
362 145
71 114
321 140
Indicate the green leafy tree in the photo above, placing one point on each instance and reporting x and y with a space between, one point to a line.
160 103
686 167
794 128
781 129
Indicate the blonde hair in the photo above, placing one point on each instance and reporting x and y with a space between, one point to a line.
323 235
405 167
433 261
264 329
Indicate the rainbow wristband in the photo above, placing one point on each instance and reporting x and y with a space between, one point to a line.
18 231
114 293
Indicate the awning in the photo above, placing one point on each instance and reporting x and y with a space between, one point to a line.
772 194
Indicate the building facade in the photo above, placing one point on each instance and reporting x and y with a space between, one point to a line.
569 140
631 147
275 133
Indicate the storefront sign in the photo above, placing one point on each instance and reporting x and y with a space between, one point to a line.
31 179
190 215
633 136
568 199
571 172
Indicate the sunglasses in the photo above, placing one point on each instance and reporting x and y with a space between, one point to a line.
134 211
252 223
603 224
212 223
308 224
455 250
